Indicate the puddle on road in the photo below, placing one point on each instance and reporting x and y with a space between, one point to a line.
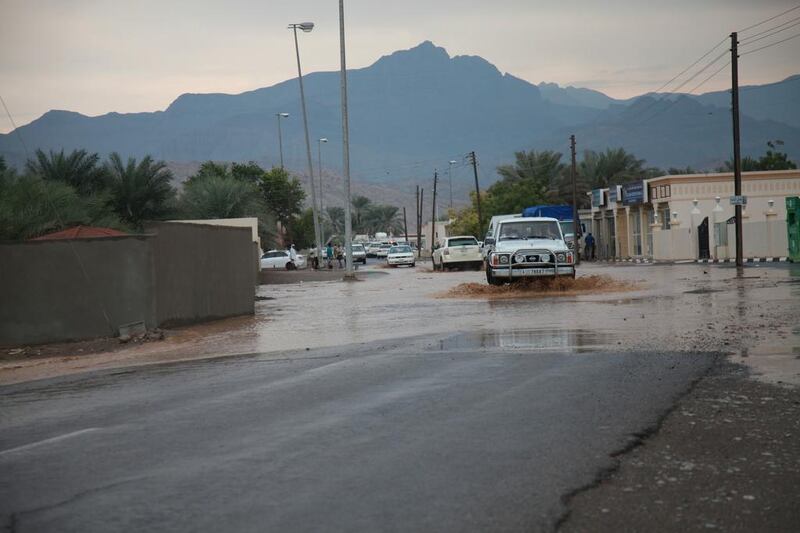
532 339
774 363
534 288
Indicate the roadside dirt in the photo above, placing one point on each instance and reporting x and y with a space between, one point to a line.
725 459
77 348
534 288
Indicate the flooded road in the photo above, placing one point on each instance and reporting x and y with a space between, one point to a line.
396 402
684 307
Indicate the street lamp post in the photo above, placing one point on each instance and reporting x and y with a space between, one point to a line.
280 137
450 177
348 226
307 27
319 171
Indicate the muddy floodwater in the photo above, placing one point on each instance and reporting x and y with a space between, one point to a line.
755 316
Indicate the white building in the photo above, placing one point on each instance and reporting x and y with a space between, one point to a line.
689 216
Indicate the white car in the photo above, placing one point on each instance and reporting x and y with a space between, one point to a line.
359 254
400 255
383 250
528 247
372 249
458 251
282 259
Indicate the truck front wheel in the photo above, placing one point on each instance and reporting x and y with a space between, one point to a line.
491 279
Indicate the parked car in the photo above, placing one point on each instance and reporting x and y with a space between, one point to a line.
372 249
383 250
359 253
281 259
400 255
460 251
527 247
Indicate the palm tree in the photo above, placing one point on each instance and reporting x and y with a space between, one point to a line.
360 206
383 218
78 169
615 166
140 191
220 197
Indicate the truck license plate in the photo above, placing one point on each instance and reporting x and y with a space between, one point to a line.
535 271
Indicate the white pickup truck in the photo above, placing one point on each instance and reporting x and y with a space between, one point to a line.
527 247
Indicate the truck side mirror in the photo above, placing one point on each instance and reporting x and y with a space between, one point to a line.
488 241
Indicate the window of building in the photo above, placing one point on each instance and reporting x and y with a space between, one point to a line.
663 212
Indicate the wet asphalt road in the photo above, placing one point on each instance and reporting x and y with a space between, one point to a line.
418 435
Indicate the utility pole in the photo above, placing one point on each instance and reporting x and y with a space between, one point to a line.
576 223
348 222
419 223
737 163
450 179
474 162
405 224
433 212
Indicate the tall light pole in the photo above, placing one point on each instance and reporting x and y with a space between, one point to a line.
280 137
348 226
319 170
450 177
307 27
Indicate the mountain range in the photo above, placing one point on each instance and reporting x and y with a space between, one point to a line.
415 110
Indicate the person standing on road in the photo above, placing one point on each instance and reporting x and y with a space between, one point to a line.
329 255
293 254
339 255
589 250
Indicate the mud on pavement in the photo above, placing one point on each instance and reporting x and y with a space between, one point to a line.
533 288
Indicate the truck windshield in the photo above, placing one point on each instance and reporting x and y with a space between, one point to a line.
466 241
539 229
566 226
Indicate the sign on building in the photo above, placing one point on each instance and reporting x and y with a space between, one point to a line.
634 193
598 198
738 200
614 194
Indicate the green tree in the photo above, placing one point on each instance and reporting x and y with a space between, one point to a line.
361 205
615 166
31 206
284 195
301 229
532 179
139 191
78 169
771 160
213 196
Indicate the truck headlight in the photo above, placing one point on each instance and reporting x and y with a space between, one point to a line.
504 259
561 257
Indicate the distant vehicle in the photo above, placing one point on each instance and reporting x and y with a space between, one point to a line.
381 236
461 251
383 250
400 255
528 247
372 249
359 253
281 259
562 213
486 248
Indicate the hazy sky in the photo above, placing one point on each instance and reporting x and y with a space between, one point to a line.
96 56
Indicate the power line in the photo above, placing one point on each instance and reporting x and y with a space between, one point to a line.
770 34
14 125
769 19
771 44
746 39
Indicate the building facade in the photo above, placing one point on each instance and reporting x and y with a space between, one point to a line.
690 217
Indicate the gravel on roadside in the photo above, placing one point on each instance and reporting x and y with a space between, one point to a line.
726 458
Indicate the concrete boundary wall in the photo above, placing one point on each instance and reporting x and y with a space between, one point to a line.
179 274
45 296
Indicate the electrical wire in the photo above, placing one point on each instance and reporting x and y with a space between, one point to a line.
769 19
746 39
769 34
770 45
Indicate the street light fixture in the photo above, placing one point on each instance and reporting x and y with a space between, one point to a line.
307 27
319 170
280 137
450 177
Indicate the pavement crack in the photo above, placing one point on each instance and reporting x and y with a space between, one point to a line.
636 439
